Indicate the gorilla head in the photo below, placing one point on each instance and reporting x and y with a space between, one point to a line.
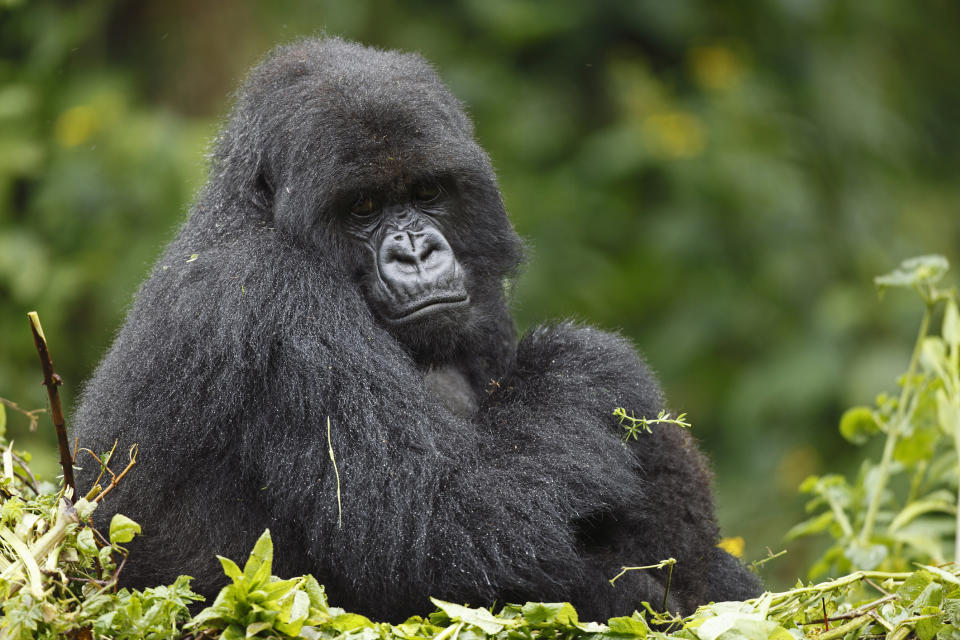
344 265
366 153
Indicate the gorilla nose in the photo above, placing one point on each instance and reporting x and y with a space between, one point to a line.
409 253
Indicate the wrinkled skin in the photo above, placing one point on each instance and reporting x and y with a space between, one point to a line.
351 248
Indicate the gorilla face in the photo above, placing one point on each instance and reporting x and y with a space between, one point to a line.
411 273
407 264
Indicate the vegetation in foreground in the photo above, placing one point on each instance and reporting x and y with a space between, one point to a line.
892 529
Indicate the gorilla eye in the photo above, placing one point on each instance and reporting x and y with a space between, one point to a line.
426 191
363 207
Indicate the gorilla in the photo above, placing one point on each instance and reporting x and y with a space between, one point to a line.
346 264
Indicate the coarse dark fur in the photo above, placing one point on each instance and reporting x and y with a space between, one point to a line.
473 467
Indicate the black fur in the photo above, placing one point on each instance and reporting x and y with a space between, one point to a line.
472 467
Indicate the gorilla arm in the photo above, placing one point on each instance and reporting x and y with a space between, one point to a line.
571 378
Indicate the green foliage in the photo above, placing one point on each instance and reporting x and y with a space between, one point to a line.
902 508
257 604
633 426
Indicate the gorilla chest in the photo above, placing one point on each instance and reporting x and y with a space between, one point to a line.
451 386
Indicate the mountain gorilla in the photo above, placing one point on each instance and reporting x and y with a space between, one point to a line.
346 262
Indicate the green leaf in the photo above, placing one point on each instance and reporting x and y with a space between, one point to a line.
858 424
933 356
944 575
294 614
86 543
122 529
631 626
480 618
951 325
318 597
915 271
260 563
927 628
538 613
941 502
948 414
3 420
256 627
231 569
865 556
817 524
919 446
914 585
346 622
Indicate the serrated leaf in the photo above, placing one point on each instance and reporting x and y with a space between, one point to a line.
231 569
122 529
260 563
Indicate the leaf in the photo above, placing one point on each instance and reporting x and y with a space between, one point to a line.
865 556
948 414
480 618
913 586
817 524
951 325
294 615
346 622
919 507
231 569
933 356
858 424
945 575
86 543
122 529
915 271
538 613
631 626
260 563
3 420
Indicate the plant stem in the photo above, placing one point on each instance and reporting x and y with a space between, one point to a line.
896 427
52 381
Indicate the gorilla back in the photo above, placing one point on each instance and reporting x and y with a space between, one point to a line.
346 261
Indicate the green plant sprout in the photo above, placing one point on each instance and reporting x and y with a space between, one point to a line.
633 426
902 509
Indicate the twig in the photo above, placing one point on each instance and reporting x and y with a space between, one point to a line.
668 563
51 381
115 479
337 473
842 630
33 415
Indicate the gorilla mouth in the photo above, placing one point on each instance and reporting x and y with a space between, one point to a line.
430 306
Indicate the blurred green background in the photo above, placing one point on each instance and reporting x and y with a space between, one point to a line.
719 180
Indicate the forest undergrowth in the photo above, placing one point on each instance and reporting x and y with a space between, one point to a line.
887 573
